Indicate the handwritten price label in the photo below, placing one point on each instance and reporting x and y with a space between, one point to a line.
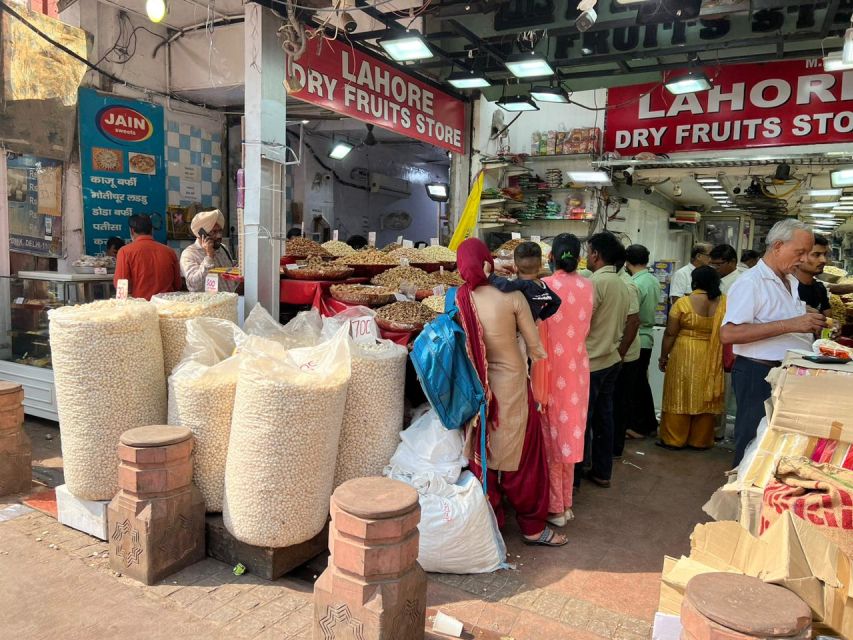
211 284
121 289
433 242
335 235
516 235
100 271
363 330
535 238
409 244
371 238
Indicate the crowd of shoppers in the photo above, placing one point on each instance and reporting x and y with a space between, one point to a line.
562 411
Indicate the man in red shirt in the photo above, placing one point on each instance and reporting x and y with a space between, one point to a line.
149 267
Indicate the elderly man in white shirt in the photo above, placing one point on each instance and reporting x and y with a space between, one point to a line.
681 279
764 319
207 251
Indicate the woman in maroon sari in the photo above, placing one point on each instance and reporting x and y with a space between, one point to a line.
517 466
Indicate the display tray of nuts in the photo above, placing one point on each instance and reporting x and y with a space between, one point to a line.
309 273
363 294
393 278
303 247
448 278
507 248
429 267
404 316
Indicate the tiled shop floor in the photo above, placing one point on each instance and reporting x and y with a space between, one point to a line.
56 582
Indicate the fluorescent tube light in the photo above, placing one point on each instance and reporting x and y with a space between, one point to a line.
589 177
824 193
406 46
517 103
468 80
688 83
707 181
549 94
841 178
340 151
528 65
822 215
823 205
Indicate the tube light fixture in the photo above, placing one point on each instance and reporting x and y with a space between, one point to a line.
340 150
468 80
824 193
438 191
528 65
517 103
841 178
406 46
822 215
833 62
707 180
549 94
691 82
823 205
846 198
157 10
593 178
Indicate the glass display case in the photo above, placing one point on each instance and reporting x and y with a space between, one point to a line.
25 342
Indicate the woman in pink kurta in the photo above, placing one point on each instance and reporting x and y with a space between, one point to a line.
564 375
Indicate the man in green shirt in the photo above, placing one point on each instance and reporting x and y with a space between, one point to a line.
642 404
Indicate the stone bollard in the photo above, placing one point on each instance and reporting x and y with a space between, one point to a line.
373 588
15 451
156 521
729 606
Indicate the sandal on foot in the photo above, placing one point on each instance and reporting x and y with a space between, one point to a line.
570 515
668 447
557 519
545 539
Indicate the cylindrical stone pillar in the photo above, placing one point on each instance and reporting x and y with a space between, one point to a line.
374 587
15 450
730 606
156 521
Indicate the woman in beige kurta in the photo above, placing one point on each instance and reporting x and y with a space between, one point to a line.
516 467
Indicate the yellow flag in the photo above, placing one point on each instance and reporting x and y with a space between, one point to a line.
470 214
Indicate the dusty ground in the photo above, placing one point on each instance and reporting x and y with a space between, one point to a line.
603 584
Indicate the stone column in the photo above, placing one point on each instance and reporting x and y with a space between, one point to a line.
156 521
15 451
373 588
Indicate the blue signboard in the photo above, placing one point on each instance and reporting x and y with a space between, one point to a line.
122 146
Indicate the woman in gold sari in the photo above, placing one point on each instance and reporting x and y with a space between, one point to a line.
692 357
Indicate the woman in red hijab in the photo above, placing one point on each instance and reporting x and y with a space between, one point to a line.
516 458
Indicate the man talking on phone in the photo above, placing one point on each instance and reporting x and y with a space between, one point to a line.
207 252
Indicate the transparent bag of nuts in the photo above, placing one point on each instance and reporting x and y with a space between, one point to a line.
286 424
201 398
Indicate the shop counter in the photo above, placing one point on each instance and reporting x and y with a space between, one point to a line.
309 292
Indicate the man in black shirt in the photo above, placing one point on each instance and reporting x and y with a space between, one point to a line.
812 291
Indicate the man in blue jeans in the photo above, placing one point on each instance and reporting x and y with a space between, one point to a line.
610 307
764 319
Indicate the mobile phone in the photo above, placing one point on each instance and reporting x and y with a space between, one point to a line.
825 359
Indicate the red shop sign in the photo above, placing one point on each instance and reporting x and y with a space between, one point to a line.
751 105
343 79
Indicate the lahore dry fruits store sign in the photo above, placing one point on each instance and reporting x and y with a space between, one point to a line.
342 79
749 105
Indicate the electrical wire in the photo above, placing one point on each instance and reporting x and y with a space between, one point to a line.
144 90
376 5
128 48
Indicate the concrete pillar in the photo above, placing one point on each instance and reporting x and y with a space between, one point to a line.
264 154
15 450
156 521
373 588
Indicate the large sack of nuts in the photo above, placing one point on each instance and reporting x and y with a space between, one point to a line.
286 424
176 308
201 398
303 331
108 374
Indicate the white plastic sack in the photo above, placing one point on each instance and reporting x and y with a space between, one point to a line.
749 454
333 324
302 331
427 446
286 424
458 529
201 398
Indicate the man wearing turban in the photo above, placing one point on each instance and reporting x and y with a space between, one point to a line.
207 252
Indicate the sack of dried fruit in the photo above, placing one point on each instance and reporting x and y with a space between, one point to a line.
286 424
201 398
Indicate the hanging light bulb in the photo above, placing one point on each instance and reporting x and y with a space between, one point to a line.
157 10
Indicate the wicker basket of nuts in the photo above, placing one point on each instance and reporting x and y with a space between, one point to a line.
368 262
404 316
393 278
362 294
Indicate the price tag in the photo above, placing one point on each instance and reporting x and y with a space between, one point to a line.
400 297
100 271
400 240
121 289
302 228
409 244
441 270
211 283
363 330
535 238
438 290
291 266
404 262
371 238
433 242
19 300
335 235
516 235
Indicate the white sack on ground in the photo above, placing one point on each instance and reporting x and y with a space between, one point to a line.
427 446
286 424
176 308
108 374
201 398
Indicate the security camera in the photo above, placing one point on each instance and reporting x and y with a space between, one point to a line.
586 20
628 173
348 22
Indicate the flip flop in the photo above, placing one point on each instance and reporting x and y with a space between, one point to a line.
545 539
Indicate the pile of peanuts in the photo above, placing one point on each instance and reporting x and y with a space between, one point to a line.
393 277
367 256
408 313
338 248
108 375
304 247
437 253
